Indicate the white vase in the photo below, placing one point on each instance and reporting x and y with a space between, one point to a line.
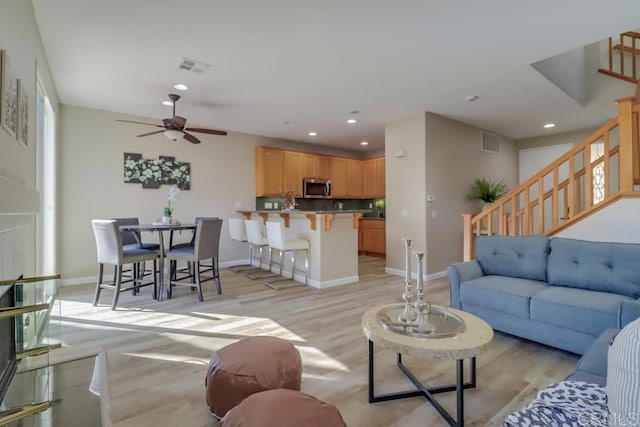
166 219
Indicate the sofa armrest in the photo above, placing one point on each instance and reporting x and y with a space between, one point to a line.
461 272
628 311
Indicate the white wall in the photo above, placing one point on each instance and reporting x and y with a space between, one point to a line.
20 39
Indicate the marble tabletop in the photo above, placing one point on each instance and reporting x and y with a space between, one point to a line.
471 342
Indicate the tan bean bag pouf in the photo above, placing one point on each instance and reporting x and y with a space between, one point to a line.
249 366
282 408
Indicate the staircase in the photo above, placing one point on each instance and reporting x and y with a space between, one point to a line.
624 65
599 171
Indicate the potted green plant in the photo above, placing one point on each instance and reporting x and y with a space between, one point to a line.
380 206
487 190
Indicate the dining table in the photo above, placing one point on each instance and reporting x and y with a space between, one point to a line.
160 228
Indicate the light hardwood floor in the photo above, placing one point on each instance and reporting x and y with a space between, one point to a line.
158 352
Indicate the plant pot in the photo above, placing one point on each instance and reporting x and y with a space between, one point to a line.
166 219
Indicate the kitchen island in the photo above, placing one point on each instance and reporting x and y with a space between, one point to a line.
333 241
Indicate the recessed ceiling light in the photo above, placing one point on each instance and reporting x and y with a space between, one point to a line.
549 125
472 98
289 123
313 133
167 103
181 86
364 143
352 121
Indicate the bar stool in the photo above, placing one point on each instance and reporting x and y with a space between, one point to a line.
238 233
278 241
257 239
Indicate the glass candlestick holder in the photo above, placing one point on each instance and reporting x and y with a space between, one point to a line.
408 314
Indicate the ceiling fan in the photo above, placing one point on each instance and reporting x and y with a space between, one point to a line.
174 127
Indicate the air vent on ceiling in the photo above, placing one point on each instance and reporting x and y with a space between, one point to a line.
194 66
490 142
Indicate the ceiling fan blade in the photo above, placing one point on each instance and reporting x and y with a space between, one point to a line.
150 133
209 131
140 123
192 139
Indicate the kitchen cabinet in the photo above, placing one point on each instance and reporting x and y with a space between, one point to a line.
373 178
293 171
278 171
372 238
369 179
269 171
354 179
338 176
381 178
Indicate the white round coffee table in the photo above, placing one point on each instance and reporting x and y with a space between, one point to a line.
467 344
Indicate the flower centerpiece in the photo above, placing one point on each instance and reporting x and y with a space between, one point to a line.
168 210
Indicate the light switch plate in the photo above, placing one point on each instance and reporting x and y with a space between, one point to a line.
268 205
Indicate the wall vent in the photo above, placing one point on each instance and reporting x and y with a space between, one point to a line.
490 142
193 66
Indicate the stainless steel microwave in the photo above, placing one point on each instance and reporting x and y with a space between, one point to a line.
314 188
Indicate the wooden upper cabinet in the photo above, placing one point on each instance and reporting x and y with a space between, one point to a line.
338 176
278 171
324 167
381 177
369 179
310 165
354 178
293 172
269 171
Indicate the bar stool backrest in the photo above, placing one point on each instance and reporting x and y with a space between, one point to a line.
254 232
275 234
237 229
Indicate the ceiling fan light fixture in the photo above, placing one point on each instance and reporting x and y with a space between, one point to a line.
174 134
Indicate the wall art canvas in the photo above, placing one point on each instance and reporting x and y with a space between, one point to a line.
8 95
152 173
23 114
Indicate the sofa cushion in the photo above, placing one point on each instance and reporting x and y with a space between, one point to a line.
623 375
507 295
598 266
523 257
578 309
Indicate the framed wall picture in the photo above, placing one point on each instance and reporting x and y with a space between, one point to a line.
8 96
23 114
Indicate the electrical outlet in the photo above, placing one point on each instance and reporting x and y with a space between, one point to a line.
268 205
370 205
275 205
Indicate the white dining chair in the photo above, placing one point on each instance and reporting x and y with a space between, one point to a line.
279 242
238 233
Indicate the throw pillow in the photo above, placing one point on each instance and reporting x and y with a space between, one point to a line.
623 376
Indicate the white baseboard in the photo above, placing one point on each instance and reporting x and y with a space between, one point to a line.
414 276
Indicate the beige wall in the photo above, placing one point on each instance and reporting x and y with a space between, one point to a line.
405 189
442 159
20 39
453 161
91 180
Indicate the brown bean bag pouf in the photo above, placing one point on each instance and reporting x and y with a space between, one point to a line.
282 408
249 366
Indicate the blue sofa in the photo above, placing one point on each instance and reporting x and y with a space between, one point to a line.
561 292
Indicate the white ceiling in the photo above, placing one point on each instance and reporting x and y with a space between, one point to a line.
314 62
